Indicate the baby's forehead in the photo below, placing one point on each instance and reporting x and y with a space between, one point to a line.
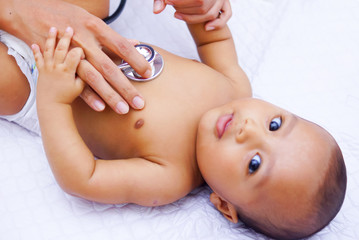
311 132
304 153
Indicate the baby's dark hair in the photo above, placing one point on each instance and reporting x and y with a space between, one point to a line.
324 206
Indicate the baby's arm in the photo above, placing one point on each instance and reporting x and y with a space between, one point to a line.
145 181
216 49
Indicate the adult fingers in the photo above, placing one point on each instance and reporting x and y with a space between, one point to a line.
211 14
193 19
123 48
62 47
116 79
193 10
158 6
91 76
92 99
104 77
134 42
220 10
184 3
226 13
200 7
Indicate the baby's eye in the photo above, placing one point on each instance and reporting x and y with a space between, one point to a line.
275 124
254 164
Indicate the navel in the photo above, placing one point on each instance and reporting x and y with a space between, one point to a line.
139 123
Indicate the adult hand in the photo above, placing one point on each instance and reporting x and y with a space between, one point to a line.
30 20
215 12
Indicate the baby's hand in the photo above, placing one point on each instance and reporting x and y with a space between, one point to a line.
57 66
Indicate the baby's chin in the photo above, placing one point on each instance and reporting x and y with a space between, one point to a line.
205 122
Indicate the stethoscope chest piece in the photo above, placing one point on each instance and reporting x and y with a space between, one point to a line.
154 58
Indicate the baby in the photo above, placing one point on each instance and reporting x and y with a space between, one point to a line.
278 173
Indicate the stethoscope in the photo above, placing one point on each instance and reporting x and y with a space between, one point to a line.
154 58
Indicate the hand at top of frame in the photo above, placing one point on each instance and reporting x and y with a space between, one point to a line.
215 13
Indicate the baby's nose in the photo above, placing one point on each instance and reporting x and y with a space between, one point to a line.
248 129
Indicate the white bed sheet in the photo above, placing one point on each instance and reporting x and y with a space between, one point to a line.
302 55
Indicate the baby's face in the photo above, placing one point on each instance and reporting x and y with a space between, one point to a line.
258 156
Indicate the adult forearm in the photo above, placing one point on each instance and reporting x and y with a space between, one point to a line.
11 12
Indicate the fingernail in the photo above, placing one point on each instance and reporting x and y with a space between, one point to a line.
210 28
34 47
148 74
68 29
138 102
99 105
122 108
157 5
52 30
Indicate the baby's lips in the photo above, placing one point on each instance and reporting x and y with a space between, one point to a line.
222 124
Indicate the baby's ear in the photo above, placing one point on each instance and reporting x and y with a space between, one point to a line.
226 208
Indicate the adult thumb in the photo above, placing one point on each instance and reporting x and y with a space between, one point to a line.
158 6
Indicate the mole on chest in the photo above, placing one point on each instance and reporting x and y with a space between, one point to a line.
139 123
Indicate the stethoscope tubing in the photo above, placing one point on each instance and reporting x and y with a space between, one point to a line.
116 13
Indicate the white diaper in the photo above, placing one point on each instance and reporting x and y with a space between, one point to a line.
22 53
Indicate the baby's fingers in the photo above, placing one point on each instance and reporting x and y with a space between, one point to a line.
79 85
63 46
73 59
38 56
50 45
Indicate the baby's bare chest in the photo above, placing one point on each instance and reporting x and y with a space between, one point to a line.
153 132
166 128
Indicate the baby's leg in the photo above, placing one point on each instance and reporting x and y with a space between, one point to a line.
14 87
99 8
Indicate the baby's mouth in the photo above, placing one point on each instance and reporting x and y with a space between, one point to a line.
223 123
